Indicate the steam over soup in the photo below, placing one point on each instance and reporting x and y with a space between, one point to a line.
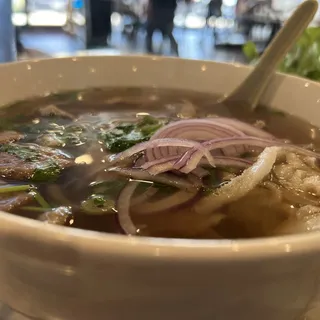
151 162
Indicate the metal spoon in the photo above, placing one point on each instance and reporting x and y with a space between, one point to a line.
247 95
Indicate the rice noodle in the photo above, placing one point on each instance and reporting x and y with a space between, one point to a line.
307 219
171 202
296 197
241 185
144 196
123 208
297 175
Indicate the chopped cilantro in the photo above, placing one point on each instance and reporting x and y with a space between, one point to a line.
98 204
74 135
23 152
150 129
147 121
46 169
44 125
59 136
124 128
47 172
126 135
123 142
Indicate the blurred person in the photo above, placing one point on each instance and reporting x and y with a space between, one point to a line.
242 6
101 28
24 53
215 8
160 16
134 11
19 45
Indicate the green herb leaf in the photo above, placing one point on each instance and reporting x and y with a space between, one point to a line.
148 130
23 152
126 135
147 121
60 136
303 60
47 172
98 204
250 51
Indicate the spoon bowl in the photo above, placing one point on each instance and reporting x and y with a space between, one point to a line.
248 93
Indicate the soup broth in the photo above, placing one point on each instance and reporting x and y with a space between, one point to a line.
147 162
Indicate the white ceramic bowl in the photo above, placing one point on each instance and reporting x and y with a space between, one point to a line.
51 272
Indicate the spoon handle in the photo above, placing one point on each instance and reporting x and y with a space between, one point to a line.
252 88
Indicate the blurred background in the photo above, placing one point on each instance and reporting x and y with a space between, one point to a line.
203 29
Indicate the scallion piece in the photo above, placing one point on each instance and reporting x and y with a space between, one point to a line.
18 188
35 209
42 202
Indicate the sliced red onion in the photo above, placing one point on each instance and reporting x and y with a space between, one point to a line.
189 161
195 129
160 143
168 164
177 200
159 166
140 161
203 127
123 208
149 193
241 185
228 162
246 128
167 179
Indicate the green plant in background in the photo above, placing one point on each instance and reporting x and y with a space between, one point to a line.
251 52
303 60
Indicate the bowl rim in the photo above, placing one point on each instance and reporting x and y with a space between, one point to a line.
159 248
99 243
